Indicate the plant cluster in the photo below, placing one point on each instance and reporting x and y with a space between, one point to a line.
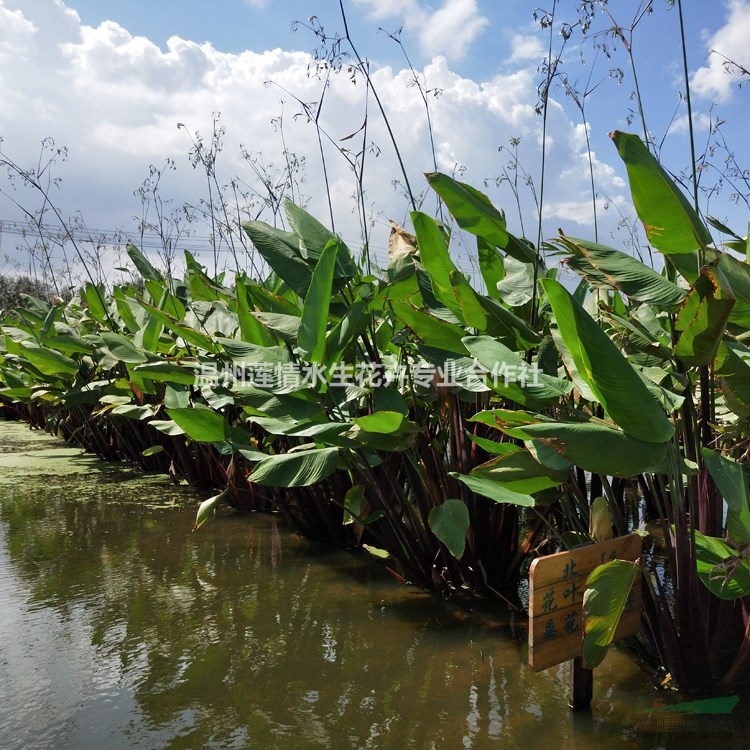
454 434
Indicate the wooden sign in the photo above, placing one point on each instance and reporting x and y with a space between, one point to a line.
556 587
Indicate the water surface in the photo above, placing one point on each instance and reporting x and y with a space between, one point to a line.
122 629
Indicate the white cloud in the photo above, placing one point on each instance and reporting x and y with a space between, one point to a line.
730 42
115 100
448 31
525 48
701 123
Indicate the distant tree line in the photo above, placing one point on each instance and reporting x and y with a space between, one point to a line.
12 289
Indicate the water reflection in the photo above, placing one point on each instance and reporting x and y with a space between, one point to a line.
121 629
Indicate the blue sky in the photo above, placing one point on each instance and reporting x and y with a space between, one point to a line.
110 80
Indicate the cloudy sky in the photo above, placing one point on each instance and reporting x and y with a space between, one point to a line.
111 80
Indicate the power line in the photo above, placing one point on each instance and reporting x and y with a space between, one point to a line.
147 240
150 240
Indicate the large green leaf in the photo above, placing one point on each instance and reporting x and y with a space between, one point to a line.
189 334
245 353
431 330
383 430
475 214
732 483
67 343
607 590
122 348
671 223
285 326
507 327
617 386
314 237
94 297
298 469
351 325
450 522
267 301
125 306
517 287
521 472
435 259
281 251
733 371
605 267
594 447
703 318
168 372
206 426
251 328
48 361
721 570
311 336
142 264
491 266
511 375
495 491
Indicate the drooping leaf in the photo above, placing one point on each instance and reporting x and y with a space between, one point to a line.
142 264
122 348
207 507
607 268
206 426
671 223
450 522
298 469
510 375
133 411
250 327
607 590
501 419
495 491
617 386
167 426
595 447
475 213
94 297
168 372
351 325
281 251
67 343
507 327
383 430
285 326
703 317
429 329
353 500
521 472
265 300
435 259
48 361
493 447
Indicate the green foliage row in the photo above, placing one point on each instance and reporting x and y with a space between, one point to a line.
637 379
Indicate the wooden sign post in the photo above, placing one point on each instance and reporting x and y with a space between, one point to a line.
556 587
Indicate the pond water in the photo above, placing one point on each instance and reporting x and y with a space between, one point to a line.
122 629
